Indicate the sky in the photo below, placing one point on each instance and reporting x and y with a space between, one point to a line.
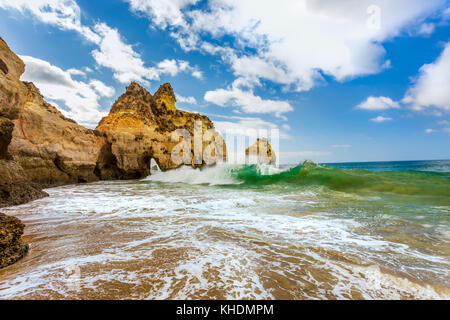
349 80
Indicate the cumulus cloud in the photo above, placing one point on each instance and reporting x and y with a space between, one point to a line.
164 13
247 101
81 98
378 103
427 28
173 67
429 131
240 125
65 14
113 52
380 119
188 100
197 74
430 89
294 41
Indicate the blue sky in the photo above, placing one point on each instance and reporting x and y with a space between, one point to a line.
349 80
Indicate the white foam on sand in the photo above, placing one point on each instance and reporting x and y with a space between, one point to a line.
220 239
217 175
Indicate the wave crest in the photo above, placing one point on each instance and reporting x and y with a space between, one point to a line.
312 174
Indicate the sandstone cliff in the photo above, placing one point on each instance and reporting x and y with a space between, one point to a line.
140 126
40 147
15 187
262 151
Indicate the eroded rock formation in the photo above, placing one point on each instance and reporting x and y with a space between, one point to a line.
262 152
140 127
12 248
15 187
40 147
48 149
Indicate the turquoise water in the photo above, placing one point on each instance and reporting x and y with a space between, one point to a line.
337 231
421 165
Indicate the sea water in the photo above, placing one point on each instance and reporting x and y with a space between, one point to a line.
337 231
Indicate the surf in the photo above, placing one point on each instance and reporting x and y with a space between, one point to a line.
310 174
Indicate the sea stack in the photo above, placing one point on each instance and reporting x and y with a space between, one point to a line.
140 126
262 152
40 147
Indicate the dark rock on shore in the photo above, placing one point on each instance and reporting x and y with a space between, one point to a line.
12 248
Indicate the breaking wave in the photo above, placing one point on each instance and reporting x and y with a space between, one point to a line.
310 174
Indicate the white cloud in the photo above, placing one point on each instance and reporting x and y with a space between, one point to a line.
173 67
246 101
65 14
163 13
127 64
197 74
189 100
235 125
445 129
81 98
113 52
294 40
345 146
378 103
380 119
430 89
446 13
76 72
427 28
102 89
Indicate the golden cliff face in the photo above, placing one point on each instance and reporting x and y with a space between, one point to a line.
51 148
15 186
140 126
40 147
262 150
12 92
165 97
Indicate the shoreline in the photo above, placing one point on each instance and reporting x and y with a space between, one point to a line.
128 238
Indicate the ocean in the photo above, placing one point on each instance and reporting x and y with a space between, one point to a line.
331 231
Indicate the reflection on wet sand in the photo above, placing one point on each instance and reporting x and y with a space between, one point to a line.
150 240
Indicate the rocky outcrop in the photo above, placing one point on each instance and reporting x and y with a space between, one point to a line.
51 148
12 248
48 149
40 147
261 151
140 127
15 187
165 97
